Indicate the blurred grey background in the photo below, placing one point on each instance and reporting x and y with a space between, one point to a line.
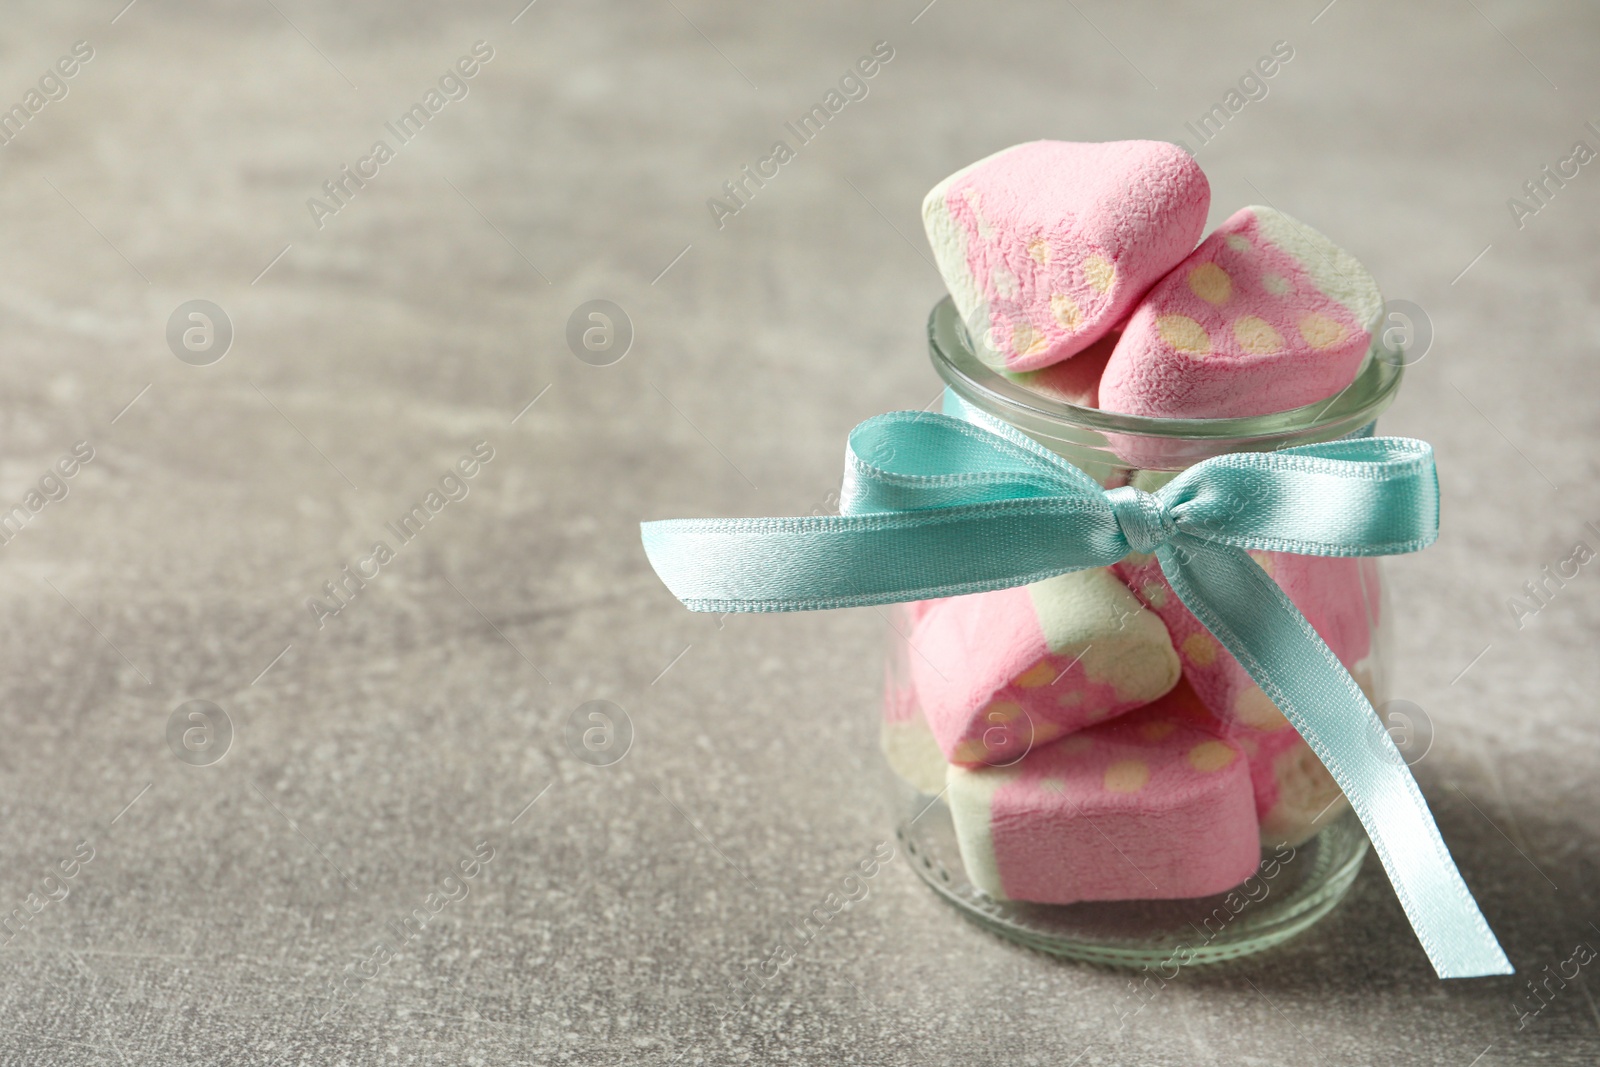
343 765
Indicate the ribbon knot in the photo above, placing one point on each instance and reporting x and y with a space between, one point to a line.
935 506
1144 521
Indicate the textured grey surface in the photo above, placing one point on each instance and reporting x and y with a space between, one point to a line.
224 907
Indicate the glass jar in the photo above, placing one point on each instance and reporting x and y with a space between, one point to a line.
1101 810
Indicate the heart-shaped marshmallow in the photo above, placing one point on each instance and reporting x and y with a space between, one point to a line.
1266 315
1046 246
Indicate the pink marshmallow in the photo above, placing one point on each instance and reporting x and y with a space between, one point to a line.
1152 806
1072 381
1266 315
1338 596
907 743
916 609
1046 246
997 673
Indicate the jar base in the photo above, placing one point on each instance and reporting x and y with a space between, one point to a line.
1291 890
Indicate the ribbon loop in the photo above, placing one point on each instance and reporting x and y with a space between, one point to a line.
935 506
1142 517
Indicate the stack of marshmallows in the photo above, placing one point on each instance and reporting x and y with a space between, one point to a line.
1091 738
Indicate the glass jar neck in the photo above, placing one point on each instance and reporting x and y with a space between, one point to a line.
1097 440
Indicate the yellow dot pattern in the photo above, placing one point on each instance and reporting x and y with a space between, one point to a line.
1071 698
1126 776
1257 336
970 751
1076 744
1276 284
1039 250
1003 711
1183 334
1065 310
1046 731
1238 242
1099 272
1320 331
1040 674
1026 341
1155 731
1256 710
1210 283
1199 649
1211 756
1155 594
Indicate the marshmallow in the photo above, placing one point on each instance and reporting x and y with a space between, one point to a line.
1152 806
1266 315
1339 597
997 673
1046 246
1072 381
908 744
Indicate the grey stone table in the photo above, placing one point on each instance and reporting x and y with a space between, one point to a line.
390 310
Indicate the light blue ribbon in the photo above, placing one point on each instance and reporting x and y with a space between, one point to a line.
937 506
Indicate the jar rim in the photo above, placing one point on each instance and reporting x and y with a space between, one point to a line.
973 380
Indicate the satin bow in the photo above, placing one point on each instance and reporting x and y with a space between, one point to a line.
936 506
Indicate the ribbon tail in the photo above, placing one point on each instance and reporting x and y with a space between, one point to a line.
1253 619
841 561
